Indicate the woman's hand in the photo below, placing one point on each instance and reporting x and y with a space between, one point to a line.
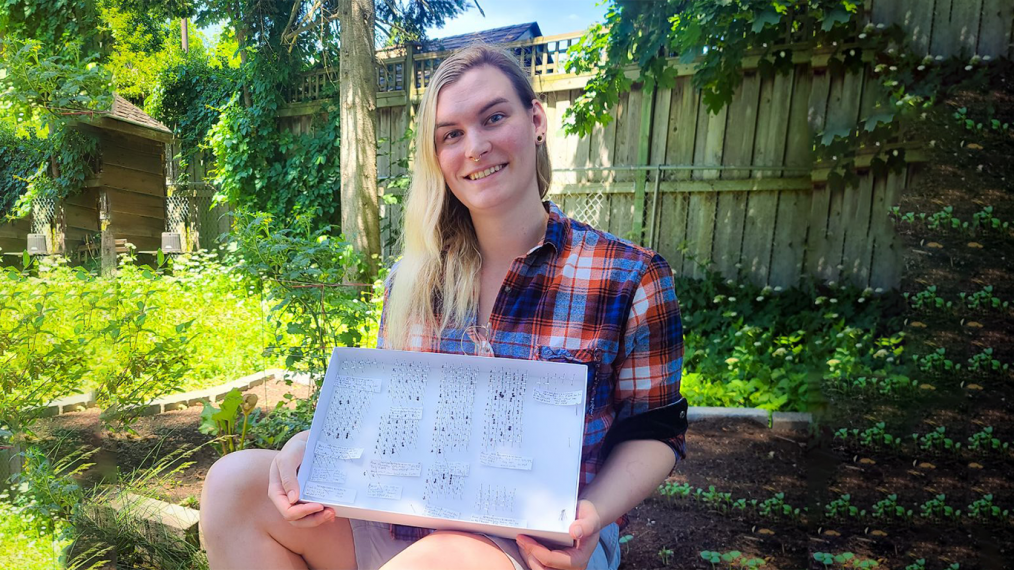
283 488
585 531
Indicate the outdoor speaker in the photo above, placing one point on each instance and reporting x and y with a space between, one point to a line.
37 244
172 242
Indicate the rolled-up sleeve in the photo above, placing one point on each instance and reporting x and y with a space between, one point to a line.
647 395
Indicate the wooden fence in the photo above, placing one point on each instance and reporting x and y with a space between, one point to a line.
734 191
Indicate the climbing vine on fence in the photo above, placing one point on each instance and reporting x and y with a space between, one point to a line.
716 37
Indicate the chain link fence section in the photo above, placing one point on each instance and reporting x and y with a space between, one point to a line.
590 211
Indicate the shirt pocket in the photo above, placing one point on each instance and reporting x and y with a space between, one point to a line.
597 382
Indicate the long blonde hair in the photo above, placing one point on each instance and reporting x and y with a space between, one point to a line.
440 263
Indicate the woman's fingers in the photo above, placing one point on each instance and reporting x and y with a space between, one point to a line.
288 461
299 514
546 558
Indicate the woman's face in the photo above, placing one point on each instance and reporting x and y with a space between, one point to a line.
485 140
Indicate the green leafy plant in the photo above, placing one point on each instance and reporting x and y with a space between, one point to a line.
937 509
731 559
888 508
229 422
844 560
984 509
625 541
665 554
983 441
842 508
936 440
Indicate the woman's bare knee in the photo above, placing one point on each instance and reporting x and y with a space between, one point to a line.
451 550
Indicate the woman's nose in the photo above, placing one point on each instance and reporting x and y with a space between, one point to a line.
477 146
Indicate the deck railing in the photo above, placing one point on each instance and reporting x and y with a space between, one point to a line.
538 56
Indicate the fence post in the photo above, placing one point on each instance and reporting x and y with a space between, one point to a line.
10 458
643 148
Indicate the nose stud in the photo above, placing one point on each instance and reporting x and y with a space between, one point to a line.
475 159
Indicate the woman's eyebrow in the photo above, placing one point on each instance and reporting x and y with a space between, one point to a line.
485 108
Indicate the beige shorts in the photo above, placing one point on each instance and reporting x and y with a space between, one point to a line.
375 547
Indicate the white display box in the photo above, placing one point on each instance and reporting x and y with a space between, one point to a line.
440 441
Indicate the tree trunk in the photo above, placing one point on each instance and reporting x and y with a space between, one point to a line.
360 210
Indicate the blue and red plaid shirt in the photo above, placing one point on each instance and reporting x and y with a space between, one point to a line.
584 296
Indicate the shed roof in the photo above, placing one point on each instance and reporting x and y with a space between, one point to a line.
123 110
494 36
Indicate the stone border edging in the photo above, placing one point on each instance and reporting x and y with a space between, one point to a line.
787 421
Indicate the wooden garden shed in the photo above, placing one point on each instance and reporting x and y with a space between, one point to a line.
123 202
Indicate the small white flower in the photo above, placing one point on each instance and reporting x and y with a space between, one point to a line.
921 67
760 298
731 361
732 299
880 353
878 290
852 52
781 53
939 58
833 362
738 265
757 343
789 358
834 157
893 68
987 57
764 45
730 282
834 300
933 144
894 152
862 36
739 333
778 289
861 300
839 335
890 359
881 26
968 68
834 43
831 284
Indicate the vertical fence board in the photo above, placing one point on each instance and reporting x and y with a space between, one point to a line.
944 35
565 146
965 23
995 37
837 227
741 127
682 127
856 257
659 126
582 148
728 240
886 268
710 143
700 228
673 228
619 215
758 236
799 143
916 16
626 152
772 124
789 245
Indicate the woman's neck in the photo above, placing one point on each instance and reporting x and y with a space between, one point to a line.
510 234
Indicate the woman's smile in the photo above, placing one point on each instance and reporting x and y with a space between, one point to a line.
486 173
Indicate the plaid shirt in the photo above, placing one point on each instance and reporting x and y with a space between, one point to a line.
584 296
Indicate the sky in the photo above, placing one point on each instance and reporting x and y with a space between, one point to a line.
553 16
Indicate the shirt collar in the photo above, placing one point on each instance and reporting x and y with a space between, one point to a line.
556 229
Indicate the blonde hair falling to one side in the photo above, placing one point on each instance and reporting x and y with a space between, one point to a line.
440 263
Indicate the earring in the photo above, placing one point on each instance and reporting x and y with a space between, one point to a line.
538 139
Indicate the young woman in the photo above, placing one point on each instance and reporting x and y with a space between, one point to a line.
490 268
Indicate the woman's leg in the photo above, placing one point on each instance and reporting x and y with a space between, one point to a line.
451 550
242 529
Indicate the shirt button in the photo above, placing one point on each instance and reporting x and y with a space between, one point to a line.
507 288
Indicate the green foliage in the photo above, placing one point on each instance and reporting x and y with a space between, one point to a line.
222 422
844 560
188 92
308 277
263 167
731 559
273 430
654 37
761 347
20 158
131 339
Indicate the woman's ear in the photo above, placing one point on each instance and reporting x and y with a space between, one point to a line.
539 119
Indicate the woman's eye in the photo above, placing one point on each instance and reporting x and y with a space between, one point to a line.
451 135
496 118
